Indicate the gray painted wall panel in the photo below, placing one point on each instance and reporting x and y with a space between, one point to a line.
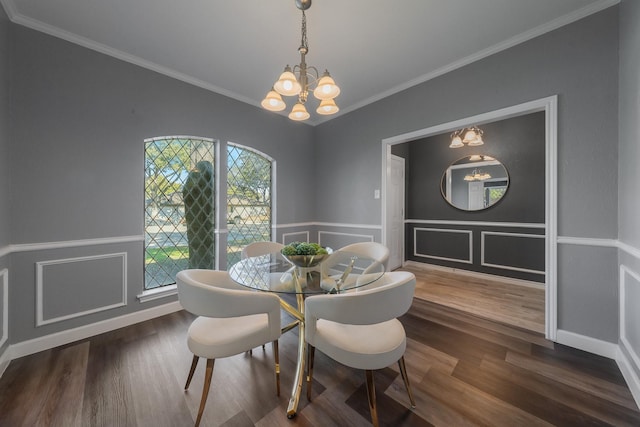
588 291
5 196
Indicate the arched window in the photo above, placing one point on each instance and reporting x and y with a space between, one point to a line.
179 207
249 198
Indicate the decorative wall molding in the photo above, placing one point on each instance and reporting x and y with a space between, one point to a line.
502 266
328 224
4 282
293 225
628 355
285 235
41 266
5 250
443 230
157 293
28 247
70 335
631 250
476 223
588 241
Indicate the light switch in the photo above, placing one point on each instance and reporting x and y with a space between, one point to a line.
376 194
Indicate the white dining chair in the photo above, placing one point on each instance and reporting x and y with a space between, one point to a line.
361 329
260 248
374 250
231 321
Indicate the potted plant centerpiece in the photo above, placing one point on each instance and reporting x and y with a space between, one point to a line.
303 254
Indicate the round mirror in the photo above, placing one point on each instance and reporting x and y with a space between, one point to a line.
474 183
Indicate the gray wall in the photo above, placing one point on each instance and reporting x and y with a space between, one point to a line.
579 62
629 176
5 195
79 121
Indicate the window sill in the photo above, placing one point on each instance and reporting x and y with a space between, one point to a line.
153 294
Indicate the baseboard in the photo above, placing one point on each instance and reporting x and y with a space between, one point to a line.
629 369
64 337
5 359
583 342
510 280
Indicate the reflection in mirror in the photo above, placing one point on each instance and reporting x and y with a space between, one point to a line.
475 182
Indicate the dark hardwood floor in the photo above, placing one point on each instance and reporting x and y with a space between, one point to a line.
465 371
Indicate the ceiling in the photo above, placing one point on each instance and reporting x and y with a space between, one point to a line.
238 48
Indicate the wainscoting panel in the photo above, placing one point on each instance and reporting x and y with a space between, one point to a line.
67 288
629 313
337 240
296 236
515 250
512 251
443 244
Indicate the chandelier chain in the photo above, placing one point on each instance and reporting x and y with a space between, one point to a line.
303 43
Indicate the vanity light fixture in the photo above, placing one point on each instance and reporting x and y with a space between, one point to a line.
477 175
478 157
300 80
471 136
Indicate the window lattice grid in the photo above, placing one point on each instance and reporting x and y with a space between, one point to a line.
248 199
179 207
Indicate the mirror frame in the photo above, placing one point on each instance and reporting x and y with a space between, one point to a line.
466 163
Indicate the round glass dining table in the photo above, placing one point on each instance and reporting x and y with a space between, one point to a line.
336 273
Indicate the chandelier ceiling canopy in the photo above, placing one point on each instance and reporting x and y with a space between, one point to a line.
302 79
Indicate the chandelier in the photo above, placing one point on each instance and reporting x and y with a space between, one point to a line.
471 136
477 175
302 79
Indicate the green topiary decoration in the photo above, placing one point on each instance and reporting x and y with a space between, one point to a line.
199 212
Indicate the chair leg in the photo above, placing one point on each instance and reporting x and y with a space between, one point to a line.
311 350
405 377
371 394
276 356
205 389
194 363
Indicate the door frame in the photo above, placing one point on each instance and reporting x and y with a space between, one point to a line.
550 106
388 209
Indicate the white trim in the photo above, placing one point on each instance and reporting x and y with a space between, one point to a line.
293 225
157 293
70 335
583 342
627 356
628 371
40 265
5 359
320 233
588 241
5 250
631 250
504 266
4 273
476 223
443 230
27 247
345 225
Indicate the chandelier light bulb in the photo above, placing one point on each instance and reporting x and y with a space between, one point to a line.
299 112
326 88
273 101
287 84
327 106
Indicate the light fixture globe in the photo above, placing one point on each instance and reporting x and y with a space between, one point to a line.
326 88
476 141
327 107
469 136
273 102
456 142
287 84
299 112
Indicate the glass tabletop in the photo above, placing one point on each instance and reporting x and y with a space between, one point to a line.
338 272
